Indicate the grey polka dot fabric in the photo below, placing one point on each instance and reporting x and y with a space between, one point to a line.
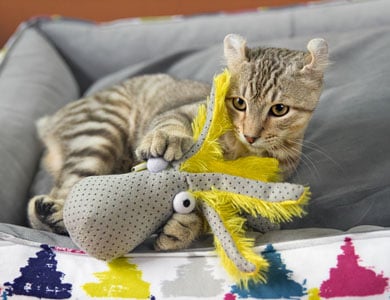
209 114
108 216
260 224
226 240
271 192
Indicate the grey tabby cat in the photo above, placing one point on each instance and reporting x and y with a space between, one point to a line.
271 99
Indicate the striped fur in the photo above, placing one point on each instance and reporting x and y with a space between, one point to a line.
150 116
264 79
98 135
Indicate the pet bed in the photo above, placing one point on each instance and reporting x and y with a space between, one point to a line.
340 249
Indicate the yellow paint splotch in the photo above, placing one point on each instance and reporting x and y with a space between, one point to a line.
122 280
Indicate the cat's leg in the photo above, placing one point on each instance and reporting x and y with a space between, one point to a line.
180 231
45 212
93 156
170 136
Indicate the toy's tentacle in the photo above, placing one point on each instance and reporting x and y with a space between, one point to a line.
270 192
276 212
224 237
213 120
223 198
207 123
241 262
260 224
206 156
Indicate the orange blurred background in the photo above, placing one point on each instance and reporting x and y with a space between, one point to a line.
13 12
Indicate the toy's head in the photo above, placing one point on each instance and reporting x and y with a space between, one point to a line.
108 216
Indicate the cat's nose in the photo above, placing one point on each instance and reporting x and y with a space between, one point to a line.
250 139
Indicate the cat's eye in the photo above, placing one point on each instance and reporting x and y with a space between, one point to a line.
239 104
279 110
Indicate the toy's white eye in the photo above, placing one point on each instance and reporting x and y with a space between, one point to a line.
184 203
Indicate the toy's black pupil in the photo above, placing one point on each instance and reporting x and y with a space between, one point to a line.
186 203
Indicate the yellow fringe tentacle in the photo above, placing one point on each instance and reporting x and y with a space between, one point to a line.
229 207
209 158
234 225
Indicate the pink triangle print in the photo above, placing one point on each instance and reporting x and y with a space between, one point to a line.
348 278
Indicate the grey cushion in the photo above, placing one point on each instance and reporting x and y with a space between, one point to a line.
34 80
89 48
346 159
346 155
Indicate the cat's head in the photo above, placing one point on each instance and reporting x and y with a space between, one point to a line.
272 96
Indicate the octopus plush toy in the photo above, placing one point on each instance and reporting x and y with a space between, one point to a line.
108 216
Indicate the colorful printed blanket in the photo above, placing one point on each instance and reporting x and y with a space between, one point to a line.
355 265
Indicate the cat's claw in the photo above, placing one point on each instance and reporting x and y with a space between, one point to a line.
168 146
45 213
179 232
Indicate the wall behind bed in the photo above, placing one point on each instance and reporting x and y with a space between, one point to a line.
12 13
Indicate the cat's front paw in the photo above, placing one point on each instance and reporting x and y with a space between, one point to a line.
45 213
169 146
179 232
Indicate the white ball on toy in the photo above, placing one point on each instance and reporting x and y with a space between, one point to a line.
157 164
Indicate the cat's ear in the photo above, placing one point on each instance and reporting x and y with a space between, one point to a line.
318 57
234 50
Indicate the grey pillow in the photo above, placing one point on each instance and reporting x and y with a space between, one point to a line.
34 80
346 154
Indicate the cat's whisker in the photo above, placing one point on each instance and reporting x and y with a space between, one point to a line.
311 166
308 163
305 159
316 148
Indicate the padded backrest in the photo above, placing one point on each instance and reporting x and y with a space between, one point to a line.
88 48
34 80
